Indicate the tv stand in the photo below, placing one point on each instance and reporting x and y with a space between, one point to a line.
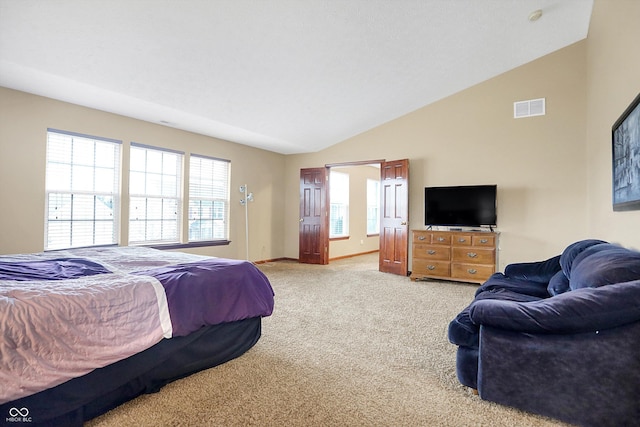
466 256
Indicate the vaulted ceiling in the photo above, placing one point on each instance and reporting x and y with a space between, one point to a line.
289 76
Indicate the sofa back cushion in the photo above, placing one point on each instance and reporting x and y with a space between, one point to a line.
607 266
572 251
541 271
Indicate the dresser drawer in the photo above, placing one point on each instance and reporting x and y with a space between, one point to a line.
434 252
473 255
422 237
471 272
461 240
439 238
425 267
488 241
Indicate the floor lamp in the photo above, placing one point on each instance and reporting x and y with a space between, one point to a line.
245 202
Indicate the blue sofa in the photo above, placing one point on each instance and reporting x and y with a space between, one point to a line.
559 337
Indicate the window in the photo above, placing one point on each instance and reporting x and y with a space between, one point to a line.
155 179
208 198
339 195
82 190
373 203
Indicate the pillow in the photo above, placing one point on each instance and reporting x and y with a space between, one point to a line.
572 251
558 284
607 267
540 271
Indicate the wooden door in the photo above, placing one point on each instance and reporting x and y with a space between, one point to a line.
394 216
314 216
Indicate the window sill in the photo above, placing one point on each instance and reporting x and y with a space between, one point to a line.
190 244
331 239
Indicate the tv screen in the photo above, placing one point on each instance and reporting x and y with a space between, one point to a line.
625 138
467 206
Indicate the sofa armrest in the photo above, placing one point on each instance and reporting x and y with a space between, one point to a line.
587 379
581 310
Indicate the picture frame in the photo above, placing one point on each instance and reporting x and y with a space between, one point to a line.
625 145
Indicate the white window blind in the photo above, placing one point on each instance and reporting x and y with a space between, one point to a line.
208 198
82 190
155 203
373 203
339 197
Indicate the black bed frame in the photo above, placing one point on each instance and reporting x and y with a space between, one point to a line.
83 398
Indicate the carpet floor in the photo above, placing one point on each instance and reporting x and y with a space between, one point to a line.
345 346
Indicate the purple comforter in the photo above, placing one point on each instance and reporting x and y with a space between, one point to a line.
54 269
213 291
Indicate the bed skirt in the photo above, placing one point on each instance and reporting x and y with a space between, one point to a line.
83 398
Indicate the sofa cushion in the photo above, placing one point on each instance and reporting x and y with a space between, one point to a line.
558 284
499 281
464 332
600 247
541 271
572 251
606 267
582 310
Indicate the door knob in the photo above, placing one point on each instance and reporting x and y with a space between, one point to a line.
301 219
403 223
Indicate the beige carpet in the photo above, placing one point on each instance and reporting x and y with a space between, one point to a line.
346 346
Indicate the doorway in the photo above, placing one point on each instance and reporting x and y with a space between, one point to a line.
315 204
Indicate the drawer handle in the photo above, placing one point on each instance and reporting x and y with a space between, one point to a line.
431 252
484 240
472 254
472 271
421 237
431 267
440 239
462 240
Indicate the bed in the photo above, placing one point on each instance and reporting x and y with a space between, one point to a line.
85 330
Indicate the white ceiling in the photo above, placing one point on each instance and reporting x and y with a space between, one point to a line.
290 76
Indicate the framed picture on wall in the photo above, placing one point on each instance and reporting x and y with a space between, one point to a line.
625 137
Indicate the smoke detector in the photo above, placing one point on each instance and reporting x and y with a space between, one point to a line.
535 15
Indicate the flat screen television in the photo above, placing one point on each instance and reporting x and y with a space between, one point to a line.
461 206
625 141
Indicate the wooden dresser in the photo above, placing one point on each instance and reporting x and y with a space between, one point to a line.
466 256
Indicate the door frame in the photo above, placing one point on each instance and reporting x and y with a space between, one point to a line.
347 164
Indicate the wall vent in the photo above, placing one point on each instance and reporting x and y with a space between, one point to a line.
530 108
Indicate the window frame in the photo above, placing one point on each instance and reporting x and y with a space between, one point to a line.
178 197
225 199
74 191
371 205
340 205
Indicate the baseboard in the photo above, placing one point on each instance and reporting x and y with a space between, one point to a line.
330 259
353 255
274 260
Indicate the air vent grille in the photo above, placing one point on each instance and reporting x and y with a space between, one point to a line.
530 108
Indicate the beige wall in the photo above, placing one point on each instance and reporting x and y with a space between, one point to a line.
24 120
553 172
613 81
538 163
